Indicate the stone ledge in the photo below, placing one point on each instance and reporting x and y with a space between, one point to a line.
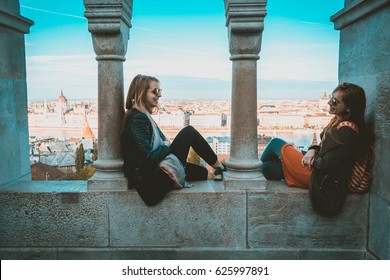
81 186
44 187
15 21
355 11
180 254
202 222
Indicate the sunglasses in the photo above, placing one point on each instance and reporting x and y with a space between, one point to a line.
334 101
157 91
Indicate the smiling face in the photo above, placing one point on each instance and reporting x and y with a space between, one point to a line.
336 104
152 95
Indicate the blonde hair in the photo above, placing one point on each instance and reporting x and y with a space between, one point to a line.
136 96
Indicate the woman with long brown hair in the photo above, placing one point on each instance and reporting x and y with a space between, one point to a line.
152 164
325 168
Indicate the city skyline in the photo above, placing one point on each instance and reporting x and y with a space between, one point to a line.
186 47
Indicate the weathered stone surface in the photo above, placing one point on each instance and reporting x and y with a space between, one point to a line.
100 184
245 23
117 254
379 231
183 219
28 253
237 254
324 254
202 222
109 24
364 59
286 220
14 147
73 186
49 219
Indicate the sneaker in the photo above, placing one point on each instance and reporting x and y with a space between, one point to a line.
218 173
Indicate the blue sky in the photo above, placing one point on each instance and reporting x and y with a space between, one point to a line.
186 47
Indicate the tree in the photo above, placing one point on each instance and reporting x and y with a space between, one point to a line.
193 157
85 173
80 158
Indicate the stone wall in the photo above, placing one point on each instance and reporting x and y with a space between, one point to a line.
14 150
61 220
365 60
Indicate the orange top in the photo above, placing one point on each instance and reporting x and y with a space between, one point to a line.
294 174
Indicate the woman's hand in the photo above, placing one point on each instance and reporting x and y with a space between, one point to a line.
308 159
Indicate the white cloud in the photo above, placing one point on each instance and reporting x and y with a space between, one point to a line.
47 75
197 68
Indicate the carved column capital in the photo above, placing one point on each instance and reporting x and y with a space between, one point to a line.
109 22
245 22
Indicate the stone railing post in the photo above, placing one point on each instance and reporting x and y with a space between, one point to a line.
245 23
109 24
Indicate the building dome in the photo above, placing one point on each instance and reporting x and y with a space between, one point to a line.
62 98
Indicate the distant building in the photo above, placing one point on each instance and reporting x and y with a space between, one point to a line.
317 121
228 118
60 153
281 120
206 120
63 160
314 142
41 171
62 107
87 133
323 102
220 145
170 119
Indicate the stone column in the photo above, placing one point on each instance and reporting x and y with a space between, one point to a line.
245 22
109 24
14 147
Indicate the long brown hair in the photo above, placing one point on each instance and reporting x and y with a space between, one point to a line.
136 96
354 99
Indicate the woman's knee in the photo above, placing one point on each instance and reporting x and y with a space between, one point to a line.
188 130
277 142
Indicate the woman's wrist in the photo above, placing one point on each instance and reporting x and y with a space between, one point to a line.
314 147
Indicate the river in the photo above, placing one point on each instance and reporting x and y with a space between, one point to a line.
298 137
